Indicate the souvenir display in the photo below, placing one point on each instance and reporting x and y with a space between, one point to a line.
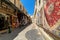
52 15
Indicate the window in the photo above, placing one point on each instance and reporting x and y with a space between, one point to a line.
36 3
20 6
23 9
35 11
39 2
0 3
15 2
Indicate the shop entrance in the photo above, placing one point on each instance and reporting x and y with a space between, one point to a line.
4 21
1 22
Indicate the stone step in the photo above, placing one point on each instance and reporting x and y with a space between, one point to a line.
3 31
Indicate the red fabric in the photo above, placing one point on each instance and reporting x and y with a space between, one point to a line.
55 15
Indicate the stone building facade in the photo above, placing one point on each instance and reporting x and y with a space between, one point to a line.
12 11
38 12
23 16
47 12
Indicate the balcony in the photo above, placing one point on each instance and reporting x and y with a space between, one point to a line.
7 6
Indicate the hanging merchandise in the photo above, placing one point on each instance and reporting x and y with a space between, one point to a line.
52 15
52 12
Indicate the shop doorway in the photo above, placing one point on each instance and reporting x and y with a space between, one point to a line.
4 21
1 22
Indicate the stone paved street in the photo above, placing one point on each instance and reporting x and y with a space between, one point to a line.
12 35
30 33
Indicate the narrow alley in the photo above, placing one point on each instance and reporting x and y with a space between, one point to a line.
29 19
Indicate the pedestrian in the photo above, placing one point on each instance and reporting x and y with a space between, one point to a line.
8 25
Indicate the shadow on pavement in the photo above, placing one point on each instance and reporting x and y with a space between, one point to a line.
33 35
13 34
